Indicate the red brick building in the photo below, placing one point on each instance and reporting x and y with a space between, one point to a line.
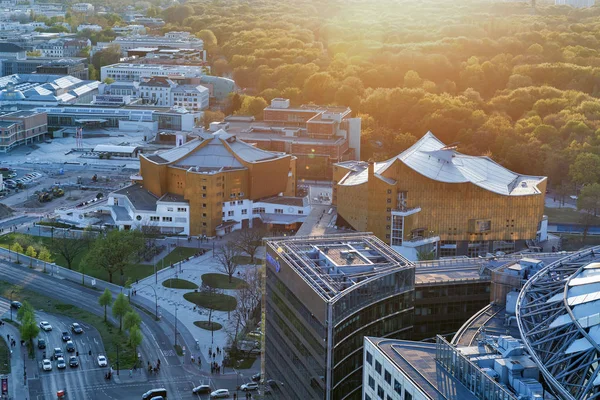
318 136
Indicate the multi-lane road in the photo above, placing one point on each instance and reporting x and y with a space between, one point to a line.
89 382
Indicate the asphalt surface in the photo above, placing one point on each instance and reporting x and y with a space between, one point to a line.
45 384
177 377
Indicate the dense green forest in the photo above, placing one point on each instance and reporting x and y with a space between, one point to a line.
500 78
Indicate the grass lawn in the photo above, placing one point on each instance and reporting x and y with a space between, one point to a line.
178 350
212 326
179 284
111 337
178 254
215 301
221 281
565 216
4 358
576 242
131 271
245 363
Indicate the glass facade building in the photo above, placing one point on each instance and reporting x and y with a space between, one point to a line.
323 296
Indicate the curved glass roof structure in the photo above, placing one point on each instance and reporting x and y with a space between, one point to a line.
558 313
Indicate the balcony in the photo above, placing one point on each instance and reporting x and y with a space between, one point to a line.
420 241
403 211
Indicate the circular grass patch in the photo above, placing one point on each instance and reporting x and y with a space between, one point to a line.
221 281
214 301
179 284
212 326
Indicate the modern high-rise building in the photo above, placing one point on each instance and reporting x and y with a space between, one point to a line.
542 344
431 200
323 295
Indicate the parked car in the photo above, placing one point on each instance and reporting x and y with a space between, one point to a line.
41 343
246 387
256 377
70 346
16 304
73 362
150 394
102 361
65 336
45 325
219 394
47 365
57 352
60 363
76 328
201 389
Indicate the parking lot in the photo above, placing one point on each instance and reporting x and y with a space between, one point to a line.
73 379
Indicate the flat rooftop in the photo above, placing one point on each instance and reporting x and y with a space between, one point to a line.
261 131
335 263
417 361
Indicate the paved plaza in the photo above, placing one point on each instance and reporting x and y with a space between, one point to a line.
172 300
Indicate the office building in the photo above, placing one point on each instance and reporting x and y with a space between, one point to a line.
21 127
73 66
165 92
89 27
133 118
318 136
10 51
64 47
171 40
575 3
213 185
323 295
136 72
85 8
539 343
431 200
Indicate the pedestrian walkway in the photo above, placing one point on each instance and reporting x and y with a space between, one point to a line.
172 300
17 382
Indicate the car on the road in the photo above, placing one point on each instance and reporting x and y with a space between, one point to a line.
256 377
16 304
201 389
57 352
41 343
219 394
246 387
73 362
157 398
76 328
47 365
70 346
102 361
574 197
152 393
60 363
65 336
45 325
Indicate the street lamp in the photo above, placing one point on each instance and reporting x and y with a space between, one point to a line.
175 324
155 299
11 306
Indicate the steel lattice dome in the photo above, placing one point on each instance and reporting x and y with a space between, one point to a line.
558 313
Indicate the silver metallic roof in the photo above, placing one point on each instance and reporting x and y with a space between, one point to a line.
433 159
558 313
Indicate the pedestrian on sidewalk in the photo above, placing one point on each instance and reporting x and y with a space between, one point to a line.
130 373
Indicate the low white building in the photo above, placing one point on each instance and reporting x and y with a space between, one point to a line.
129 30
192 97
89 27
85 8
136 72
575 3
134 207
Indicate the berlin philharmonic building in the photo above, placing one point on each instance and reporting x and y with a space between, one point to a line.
431 200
